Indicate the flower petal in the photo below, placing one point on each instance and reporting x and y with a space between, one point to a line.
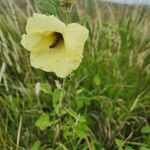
75 38
41 23
38 41
41 60
56 61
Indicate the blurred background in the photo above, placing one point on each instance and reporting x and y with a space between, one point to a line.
105 103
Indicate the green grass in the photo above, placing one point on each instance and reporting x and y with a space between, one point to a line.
104 104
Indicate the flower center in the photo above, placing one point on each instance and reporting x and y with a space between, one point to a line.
58 38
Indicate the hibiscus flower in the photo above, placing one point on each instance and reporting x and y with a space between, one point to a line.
53 45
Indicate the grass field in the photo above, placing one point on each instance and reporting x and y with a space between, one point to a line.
103 105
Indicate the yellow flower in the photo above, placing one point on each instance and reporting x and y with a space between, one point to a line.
54 46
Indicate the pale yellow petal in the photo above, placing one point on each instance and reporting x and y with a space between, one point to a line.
37 42
41 60
55 60
64 65
75 38
41 23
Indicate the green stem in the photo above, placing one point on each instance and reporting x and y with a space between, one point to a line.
61 96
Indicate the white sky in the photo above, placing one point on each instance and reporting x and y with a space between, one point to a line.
130 1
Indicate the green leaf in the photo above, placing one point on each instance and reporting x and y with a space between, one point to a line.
56 98
145 129
96 80
54 2
45 88
81 129
43 121
119 143
47 7
72 113
81 118
76 116
36 145
83 100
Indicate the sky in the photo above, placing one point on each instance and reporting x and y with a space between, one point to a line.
131 1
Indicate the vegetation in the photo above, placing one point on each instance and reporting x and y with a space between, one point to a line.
103 105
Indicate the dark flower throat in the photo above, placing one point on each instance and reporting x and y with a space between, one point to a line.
58 38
